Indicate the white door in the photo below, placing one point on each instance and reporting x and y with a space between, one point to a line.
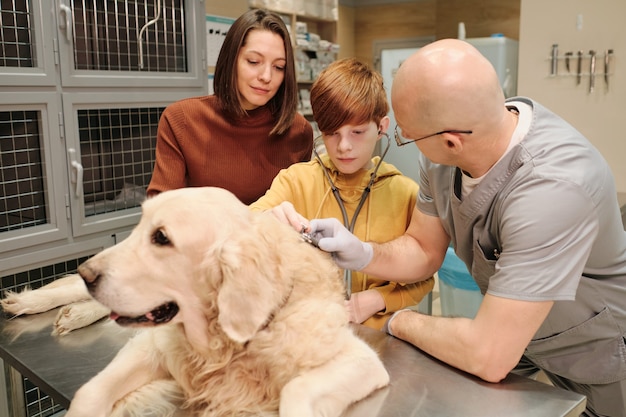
404 158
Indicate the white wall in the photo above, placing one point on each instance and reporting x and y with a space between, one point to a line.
601 115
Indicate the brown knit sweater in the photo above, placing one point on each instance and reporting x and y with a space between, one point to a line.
197 145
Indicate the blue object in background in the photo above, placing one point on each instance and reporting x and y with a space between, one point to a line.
459 293
454 272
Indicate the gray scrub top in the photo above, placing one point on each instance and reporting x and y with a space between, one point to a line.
544 224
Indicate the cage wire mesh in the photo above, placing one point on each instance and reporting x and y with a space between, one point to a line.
38 403
146 35
16 34
118 149
22 190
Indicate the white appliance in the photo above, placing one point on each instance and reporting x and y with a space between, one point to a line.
502 52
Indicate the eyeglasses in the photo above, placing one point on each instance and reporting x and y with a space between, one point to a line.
402 141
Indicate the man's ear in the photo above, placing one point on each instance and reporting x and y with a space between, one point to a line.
454 141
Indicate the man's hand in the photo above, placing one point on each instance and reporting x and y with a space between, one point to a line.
387 326
347 250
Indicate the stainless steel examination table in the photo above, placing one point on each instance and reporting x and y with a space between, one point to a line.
420 385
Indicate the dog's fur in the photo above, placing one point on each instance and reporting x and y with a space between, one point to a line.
77 310
244 318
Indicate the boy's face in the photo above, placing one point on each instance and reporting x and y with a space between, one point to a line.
351 146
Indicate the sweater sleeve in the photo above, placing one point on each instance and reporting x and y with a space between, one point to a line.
170 171
398 296
282 189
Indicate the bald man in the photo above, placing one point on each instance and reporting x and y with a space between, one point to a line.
530 206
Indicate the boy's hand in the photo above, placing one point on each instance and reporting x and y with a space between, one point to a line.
286 213
347 250
364 304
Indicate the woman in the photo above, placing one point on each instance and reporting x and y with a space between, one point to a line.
240 137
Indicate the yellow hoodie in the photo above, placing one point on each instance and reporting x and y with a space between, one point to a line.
384 216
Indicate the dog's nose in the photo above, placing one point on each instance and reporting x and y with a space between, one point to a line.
88 274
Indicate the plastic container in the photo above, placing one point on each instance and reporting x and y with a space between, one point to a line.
460 296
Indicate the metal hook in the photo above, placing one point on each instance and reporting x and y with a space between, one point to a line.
143 29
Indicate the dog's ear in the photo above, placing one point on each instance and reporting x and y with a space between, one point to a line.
254 281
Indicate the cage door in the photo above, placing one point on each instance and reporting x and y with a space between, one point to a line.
135 43
32 193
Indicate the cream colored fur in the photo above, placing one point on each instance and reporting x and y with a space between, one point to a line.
262 329
77 310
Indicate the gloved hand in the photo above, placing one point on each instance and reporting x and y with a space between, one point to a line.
387 326
347 250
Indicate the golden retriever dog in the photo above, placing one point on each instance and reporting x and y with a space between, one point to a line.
239 317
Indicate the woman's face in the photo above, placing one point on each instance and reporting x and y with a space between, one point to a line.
260 68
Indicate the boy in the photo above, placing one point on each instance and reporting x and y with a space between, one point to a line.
350 107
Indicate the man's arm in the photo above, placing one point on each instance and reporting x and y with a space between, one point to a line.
488 346
414 256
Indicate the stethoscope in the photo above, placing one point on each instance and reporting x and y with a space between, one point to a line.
349 224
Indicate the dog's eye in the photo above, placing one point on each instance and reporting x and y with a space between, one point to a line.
160 238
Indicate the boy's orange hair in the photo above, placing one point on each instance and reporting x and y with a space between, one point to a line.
348 92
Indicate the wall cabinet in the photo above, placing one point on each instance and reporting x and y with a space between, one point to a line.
82 88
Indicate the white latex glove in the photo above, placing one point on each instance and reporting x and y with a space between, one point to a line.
347 250
387 326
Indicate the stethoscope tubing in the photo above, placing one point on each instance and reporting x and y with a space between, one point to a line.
350 224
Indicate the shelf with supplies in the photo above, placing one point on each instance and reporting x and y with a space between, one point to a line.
312 24
321 10
582 65
315 49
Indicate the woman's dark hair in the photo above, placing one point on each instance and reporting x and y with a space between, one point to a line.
284 104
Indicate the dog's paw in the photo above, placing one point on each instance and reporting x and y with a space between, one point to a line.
163 398
77 315
82 407
296 399
21 303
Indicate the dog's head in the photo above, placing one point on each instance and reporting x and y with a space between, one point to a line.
198 257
